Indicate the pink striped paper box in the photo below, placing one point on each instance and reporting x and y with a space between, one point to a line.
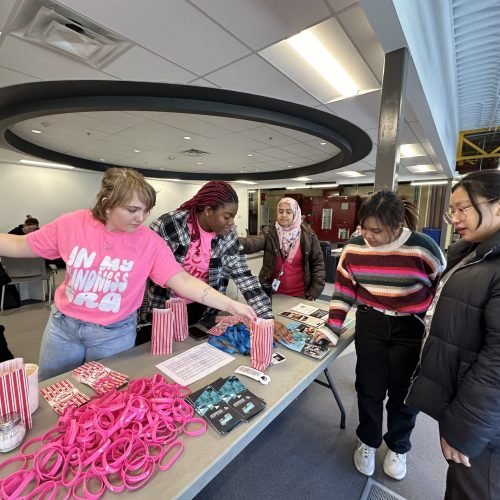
180 325
14 390
261 343
162 332
99 377
223 322
63 394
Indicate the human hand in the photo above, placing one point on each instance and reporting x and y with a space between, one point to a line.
239 309
281 332
309 297
452 454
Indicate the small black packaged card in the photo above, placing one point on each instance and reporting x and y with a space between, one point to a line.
209 404
239 397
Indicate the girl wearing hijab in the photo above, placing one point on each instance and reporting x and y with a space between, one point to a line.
293 263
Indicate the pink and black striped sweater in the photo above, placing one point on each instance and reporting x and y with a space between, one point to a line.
400 276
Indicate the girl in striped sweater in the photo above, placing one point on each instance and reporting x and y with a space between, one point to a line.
390 272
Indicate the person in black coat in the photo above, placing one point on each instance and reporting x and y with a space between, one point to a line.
30 224
458 379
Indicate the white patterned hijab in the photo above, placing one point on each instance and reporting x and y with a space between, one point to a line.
289 237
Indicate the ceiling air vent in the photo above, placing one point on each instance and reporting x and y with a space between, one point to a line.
194 152
73 38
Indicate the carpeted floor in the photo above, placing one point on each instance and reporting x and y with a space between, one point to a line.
305 455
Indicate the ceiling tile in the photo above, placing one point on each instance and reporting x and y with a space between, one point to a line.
5 11
43 63
338 5
268 135
362 110
9 77
354 21
254 75
276 19
192 124
142 65
175 30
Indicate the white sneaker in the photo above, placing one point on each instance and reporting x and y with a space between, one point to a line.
364 459
395 464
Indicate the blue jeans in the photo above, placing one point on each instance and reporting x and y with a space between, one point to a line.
68 342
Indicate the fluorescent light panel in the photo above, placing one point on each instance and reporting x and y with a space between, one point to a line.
245 182
351 173
45 164
410 150
428 183
324 185
421 169
335 68
301 179
316 55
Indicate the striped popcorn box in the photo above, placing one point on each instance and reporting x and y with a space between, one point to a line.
180 325
99 377
63 394
261 343
14 390
162 332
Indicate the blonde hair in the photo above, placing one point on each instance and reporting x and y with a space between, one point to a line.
118 186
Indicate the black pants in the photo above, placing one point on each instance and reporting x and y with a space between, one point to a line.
479 482
387 349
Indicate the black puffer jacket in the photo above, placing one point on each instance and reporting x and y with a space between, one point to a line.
458 380
312 257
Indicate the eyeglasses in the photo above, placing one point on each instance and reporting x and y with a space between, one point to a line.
460 213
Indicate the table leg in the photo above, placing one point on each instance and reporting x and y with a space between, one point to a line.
332 387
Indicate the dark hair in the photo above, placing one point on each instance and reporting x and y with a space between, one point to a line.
390 210
485 183
213 194
31 221
118 186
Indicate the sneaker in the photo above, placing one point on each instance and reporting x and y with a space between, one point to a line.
364 459
395 464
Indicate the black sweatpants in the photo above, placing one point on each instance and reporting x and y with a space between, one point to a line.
387 349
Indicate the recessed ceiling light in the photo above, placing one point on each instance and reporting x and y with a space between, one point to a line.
187 137
249 155
199 163
35 131
290 166
302 179
323 143
245 182
102 159
137 150
351 173
172 180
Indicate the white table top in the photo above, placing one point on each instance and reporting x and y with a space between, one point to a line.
205 456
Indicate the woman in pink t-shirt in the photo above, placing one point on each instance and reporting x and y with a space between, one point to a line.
109 255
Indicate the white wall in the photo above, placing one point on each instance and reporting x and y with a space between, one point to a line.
46 193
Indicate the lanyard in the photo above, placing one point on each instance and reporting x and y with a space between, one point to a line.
285 256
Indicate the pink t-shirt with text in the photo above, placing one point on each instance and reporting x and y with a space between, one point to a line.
197 259
106 271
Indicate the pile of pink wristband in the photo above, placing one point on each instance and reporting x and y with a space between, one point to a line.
115 442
